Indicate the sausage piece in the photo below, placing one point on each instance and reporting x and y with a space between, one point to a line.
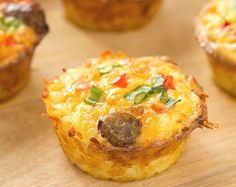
28 12
120 129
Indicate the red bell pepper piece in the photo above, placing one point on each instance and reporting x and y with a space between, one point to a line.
169 82
226 24
121 81
159 108
8 41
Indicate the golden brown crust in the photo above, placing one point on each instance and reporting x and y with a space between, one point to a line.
121 158
14 75
224 74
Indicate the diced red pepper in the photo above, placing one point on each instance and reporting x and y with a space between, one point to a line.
226 24
121 81
159 108
8 41
169 82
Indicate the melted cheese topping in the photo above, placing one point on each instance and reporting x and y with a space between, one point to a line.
14 42
219 21
65 98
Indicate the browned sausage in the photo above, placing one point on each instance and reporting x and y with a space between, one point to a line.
120 129
29 12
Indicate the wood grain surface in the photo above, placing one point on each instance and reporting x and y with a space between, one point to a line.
30 154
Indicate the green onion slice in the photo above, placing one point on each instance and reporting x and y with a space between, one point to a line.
9 24
94 95
139 98
90 102
171 102
159 90
107 69
163 95
157 81
139 94
116 65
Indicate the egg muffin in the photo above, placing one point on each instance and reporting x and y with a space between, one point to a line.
22 26
216 33
124 118
111 15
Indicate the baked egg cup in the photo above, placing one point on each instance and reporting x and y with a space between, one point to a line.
123 118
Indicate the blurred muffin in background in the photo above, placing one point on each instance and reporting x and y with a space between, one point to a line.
216 33
22 27
111 15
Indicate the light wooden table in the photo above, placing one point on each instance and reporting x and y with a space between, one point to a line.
30 154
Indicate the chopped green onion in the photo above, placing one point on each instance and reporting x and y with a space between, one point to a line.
107 69
139 98
157 81
171 102
164 96
90 102
116 65
95 93
158 89
144 88
139 94
104 70
94 96
9 24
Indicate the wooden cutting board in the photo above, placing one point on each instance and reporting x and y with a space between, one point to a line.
30 154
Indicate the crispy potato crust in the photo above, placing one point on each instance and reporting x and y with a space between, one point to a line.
119 165
15 75
15 72
157 147
224 73
112 15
